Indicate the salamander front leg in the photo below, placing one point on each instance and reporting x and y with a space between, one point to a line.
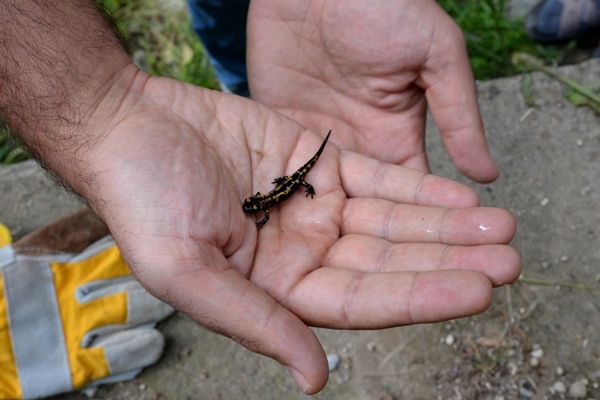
309 189
279 181
263 221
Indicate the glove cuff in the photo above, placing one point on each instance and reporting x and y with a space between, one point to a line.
69 235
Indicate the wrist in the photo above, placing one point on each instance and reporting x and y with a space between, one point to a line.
64 74
79 163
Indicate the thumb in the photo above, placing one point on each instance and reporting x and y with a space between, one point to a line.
452 97
222 300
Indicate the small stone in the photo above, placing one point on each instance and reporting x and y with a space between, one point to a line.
526 393
89 392
534 362
545 202
585 342
142 386
579 142
522 310
545 264
449 340
371 346
334 361
537 353
559 371
499 397
559 387
564 258
578 390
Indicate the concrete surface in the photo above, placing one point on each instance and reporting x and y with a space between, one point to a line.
550 162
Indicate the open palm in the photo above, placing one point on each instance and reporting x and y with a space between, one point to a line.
379 245
369 70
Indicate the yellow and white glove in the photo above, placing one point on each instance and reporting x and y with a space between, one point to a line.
71 314
5 236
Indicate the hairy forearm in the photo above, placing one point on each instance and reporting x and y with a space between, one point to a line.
59 60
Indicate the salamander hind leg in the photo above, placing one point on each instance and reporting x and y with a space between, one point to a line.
309 189
263 221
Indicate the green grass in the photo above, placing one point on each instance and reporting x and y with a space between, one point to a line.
161 38
492 38
10 152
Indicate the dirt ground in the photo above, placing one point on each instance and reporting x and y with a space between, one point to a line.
540 339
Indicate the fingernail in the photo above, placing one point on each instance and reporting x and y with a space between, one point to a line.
300 380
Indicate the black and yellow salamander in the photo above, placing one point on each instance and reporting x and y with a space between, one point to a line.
286 187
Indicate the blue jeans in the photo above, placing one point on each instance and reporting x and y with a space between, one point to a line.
221 25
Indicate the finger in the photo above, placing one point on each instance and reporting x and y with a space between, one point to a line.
452 97
223 301
501 264
401 223
344 299
366 177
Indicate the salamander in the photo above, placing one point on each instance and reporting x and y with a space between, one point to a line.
286 187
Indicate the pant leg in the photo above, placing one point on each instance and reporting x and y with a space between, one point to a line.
221 25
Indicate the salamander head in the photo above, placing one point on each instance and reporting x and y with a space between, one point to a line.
252 205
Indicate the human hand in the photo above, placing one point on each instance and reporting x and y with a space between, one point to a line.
379 245
368 70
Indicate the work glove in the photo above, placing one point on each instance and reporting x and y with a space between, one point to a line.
5 236
71 314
